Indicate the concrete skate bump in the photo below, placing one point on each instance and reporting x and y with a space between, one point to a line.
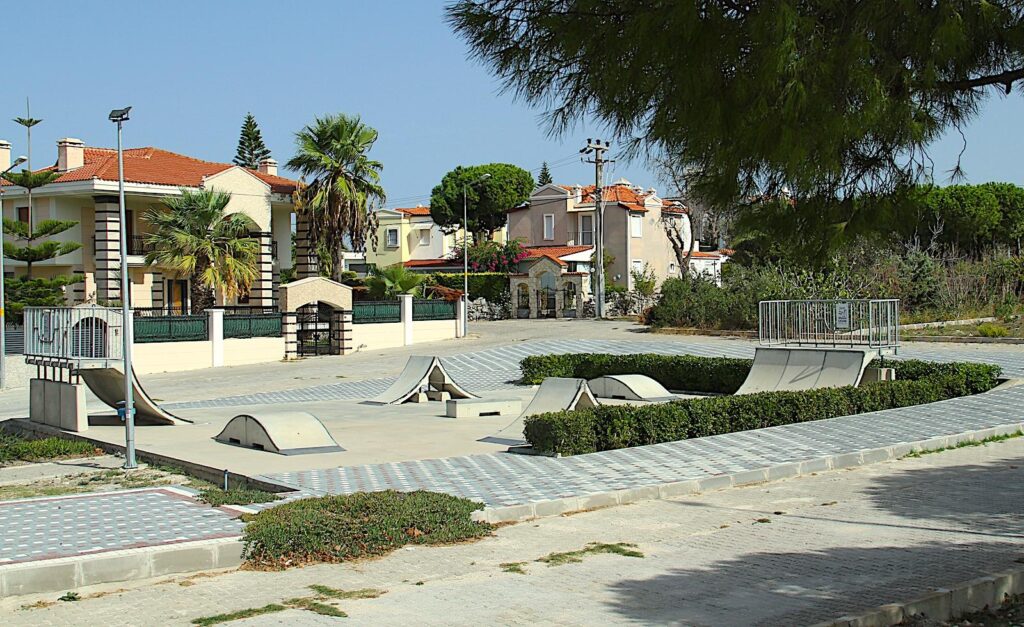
630 387
554 394
108 386
420 372
285 432
794 369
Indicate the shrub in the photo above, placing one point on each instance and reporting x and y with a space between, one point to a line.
217 497
17 448
721 375
491 286
611 427
340 528
990 329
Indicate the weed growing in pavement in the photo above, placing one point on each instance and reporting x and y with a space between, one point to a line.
70 596
327 592
238 496
239 615
594 548
966 444
514 567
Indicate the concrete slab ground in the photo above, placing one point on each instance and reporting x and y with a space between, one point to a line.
797 552
65 468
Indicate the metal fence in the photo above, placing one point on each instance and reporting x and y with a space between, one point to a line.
252 325
369 312
873 323
423 309
73 333
171 329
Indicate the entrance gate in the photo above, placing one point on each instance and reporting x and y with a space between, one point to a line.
316 317
313 330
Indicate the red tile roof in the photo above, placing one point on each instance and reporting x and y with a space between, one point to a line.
158 167
622 195
431 263
554 251
415 211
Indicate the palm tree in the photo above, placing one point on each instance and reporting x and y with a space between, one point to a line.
343 182
393 280
195 237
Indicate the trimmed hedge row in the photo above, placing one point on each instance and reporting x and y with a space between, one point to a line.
619 426
715 375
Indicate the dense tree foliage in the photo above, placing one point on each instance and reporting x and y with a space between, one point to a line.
488 200
831 103
544 178
251 149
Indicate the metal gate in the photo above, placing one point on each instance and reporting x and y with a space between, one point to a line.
313 330
546 302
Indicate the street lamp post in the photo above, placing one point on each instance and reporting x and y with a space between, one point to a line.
119 116
465 250
3 302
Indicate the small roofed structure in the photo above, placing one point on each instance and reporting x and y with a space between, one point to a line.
285 433
423 377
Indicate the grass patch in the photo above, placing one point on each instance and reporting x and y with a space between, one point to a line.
514 567
624 549
16 447
328 592
239 615
966 444
98 481
341 528
238 496
307 603
70 597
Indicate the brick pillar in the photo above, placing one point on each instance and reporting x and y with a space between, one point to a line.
262 292
108 254
341 331
157 291
306 263
289 326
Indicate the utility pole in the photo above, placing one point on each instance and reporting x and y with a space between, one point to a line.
597 148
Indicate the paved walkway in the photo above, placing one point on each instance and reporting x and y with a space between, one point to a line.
67 526
832 544
507 479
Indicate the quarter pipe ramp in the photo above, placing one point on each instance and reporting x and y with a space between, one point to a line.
554 394
108 386
792 369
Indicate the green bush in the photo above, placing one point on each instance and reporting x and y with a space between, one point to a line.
17 448
237 496
611 427
491 286
990 329
715 375
340 528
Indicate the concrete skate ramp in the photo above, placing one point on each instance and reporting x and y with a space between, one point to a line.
630 387
420 371
285 432
794 369
554 394
108 386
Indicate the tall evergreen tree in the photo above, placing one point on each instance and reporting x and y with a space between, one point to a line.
251 149
544 178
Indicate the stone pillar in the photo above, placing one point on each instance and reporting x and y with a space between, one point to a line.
559 299
157 291
405 302
306 262
461 316
341 332
108 252
262 292
289 326
215 327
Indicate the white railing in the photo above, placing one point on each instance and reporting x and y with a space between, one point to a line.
73 334
873 323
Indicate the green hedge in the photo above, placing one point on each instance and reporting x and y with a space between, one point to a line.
351 526
618 426
492 286
715 375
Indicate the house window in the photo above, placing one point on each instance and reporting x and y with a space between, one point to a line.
424 237
391 238
549 226
638 266
636 225
671 269
586 231
23 214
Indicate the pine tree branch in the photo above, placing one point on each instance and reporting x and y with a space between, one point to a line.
1005 79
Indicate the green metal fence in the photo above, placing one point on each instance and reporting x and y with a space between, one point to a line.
253 325
433 310
369 312
170 329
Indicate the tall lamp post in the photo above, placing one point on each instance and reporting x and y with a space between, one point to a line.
465 250
3 302
119 116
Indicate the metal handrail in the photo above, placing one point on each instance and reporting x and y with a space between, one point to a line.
872 323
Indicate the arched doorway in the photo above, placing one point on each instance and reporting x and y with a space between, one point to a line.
317 317
546 296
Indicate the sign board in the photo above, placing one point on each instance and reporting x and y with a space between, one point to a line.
842 315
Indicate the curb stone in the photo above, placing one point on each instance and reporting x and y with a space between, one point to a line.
942 603
556 507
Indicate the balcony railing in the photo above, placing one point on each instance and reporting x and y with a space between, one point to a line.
137 245
580 238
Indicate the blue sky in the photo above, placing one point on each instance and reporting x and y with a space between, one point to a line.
192 69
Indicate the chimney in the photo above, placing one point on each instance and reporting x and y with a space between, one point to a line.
5 154
70 154
578 192
268 166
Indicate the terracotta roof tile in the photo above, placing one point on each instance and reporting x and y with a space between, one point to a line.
533 252
415 211
431 263
158 167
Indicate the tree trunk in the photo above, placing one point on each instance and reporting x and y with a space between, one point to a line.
201 295
336 264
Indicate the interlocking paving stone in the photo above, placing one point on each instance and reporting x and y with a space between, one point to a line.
506 479
47 528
